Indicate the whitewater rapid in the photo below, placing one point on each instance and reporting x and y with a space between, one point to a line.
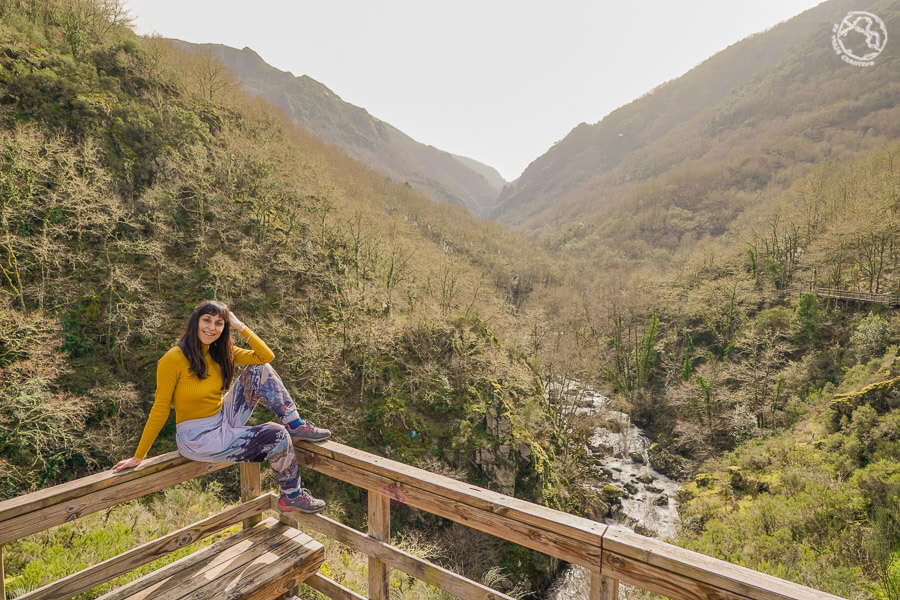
621 455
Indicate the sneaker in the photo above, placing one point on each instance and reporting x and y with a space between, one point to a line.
308 432
304 503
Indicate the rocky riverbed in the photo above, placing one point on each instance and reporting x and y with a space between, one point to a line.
639 497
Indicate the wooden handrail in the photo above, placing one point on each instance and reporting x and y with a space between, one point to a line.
572 538
62 503
123 563
457 585
333 590
82 486
609 551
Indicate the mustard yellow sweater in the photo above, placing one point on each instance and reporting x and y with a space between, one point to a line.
193 398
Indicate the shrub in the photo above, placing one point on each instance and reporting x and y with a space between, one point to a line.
806 320
871 337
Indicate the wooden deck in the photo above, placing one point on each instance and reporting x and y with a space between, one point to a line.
263 562
612 554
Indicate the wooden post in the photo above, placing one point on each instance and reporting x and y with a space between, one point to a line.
2 576
288 519
603 588
380 529
250 489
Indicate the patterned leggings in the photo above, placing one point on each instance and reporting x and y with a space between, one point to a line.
226 437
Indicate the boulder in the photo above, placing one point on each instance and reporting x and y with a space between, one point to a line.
612 493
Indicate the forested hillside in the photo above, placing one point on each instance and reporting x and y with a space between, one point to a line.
360 135
748 120
137 179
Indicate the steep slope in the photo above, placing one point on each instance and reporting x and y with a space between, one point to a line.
373 142
576 175
490 173
137 178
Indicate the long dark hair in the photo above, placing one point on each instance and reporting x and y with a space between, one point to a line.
221 350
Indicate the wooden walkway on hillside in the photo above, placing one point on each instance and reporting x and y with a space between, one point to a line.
868 297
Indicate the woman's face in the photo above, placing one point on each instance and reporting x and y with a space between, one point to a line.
209 328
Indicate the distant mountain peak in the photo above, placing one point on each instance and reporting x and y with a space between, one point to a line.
381 146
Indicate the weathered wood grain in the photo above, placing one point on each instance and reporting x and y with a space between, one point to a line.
276 572
211 557
669 570
262 562
450 582
118 565
602 587
678 573
379 529
560 539
85 485
250 488
333 590
108 494
405 476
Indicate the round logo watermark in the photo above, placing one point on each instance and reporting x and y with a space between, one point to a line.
859 38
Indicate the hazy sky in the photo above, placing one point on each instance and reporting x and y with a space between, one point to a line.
499 81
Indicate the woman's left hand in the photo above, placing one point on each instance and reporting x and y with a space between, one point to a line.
235 323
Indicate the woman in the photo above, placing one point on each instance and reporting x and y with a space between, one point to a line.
211 414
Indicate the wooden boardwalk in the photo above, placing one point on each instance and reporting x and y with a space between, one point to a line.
867 297
611 554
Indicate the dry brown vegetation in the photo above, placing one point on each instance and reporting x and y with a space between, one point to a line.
137 179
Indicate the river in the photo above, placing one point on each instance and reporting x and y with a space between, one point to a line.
648 506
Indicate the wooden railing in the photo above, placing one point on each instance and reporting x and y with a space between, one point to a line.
611 554
867 297
872 298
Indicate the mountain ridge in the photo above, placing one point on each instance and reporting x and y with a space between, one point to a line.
374 142
590 151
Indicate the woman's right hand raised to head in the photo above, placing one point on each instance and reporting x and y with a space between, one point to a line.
235 323
127 463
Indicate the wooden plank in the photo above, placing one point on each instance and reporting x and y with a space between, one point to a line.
250 488
251 564
210 580
51 515
86 485
379 574
118 565
450 582
659 581
559 540
270 570
396 476
212 556
332 589
277 571
679 573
